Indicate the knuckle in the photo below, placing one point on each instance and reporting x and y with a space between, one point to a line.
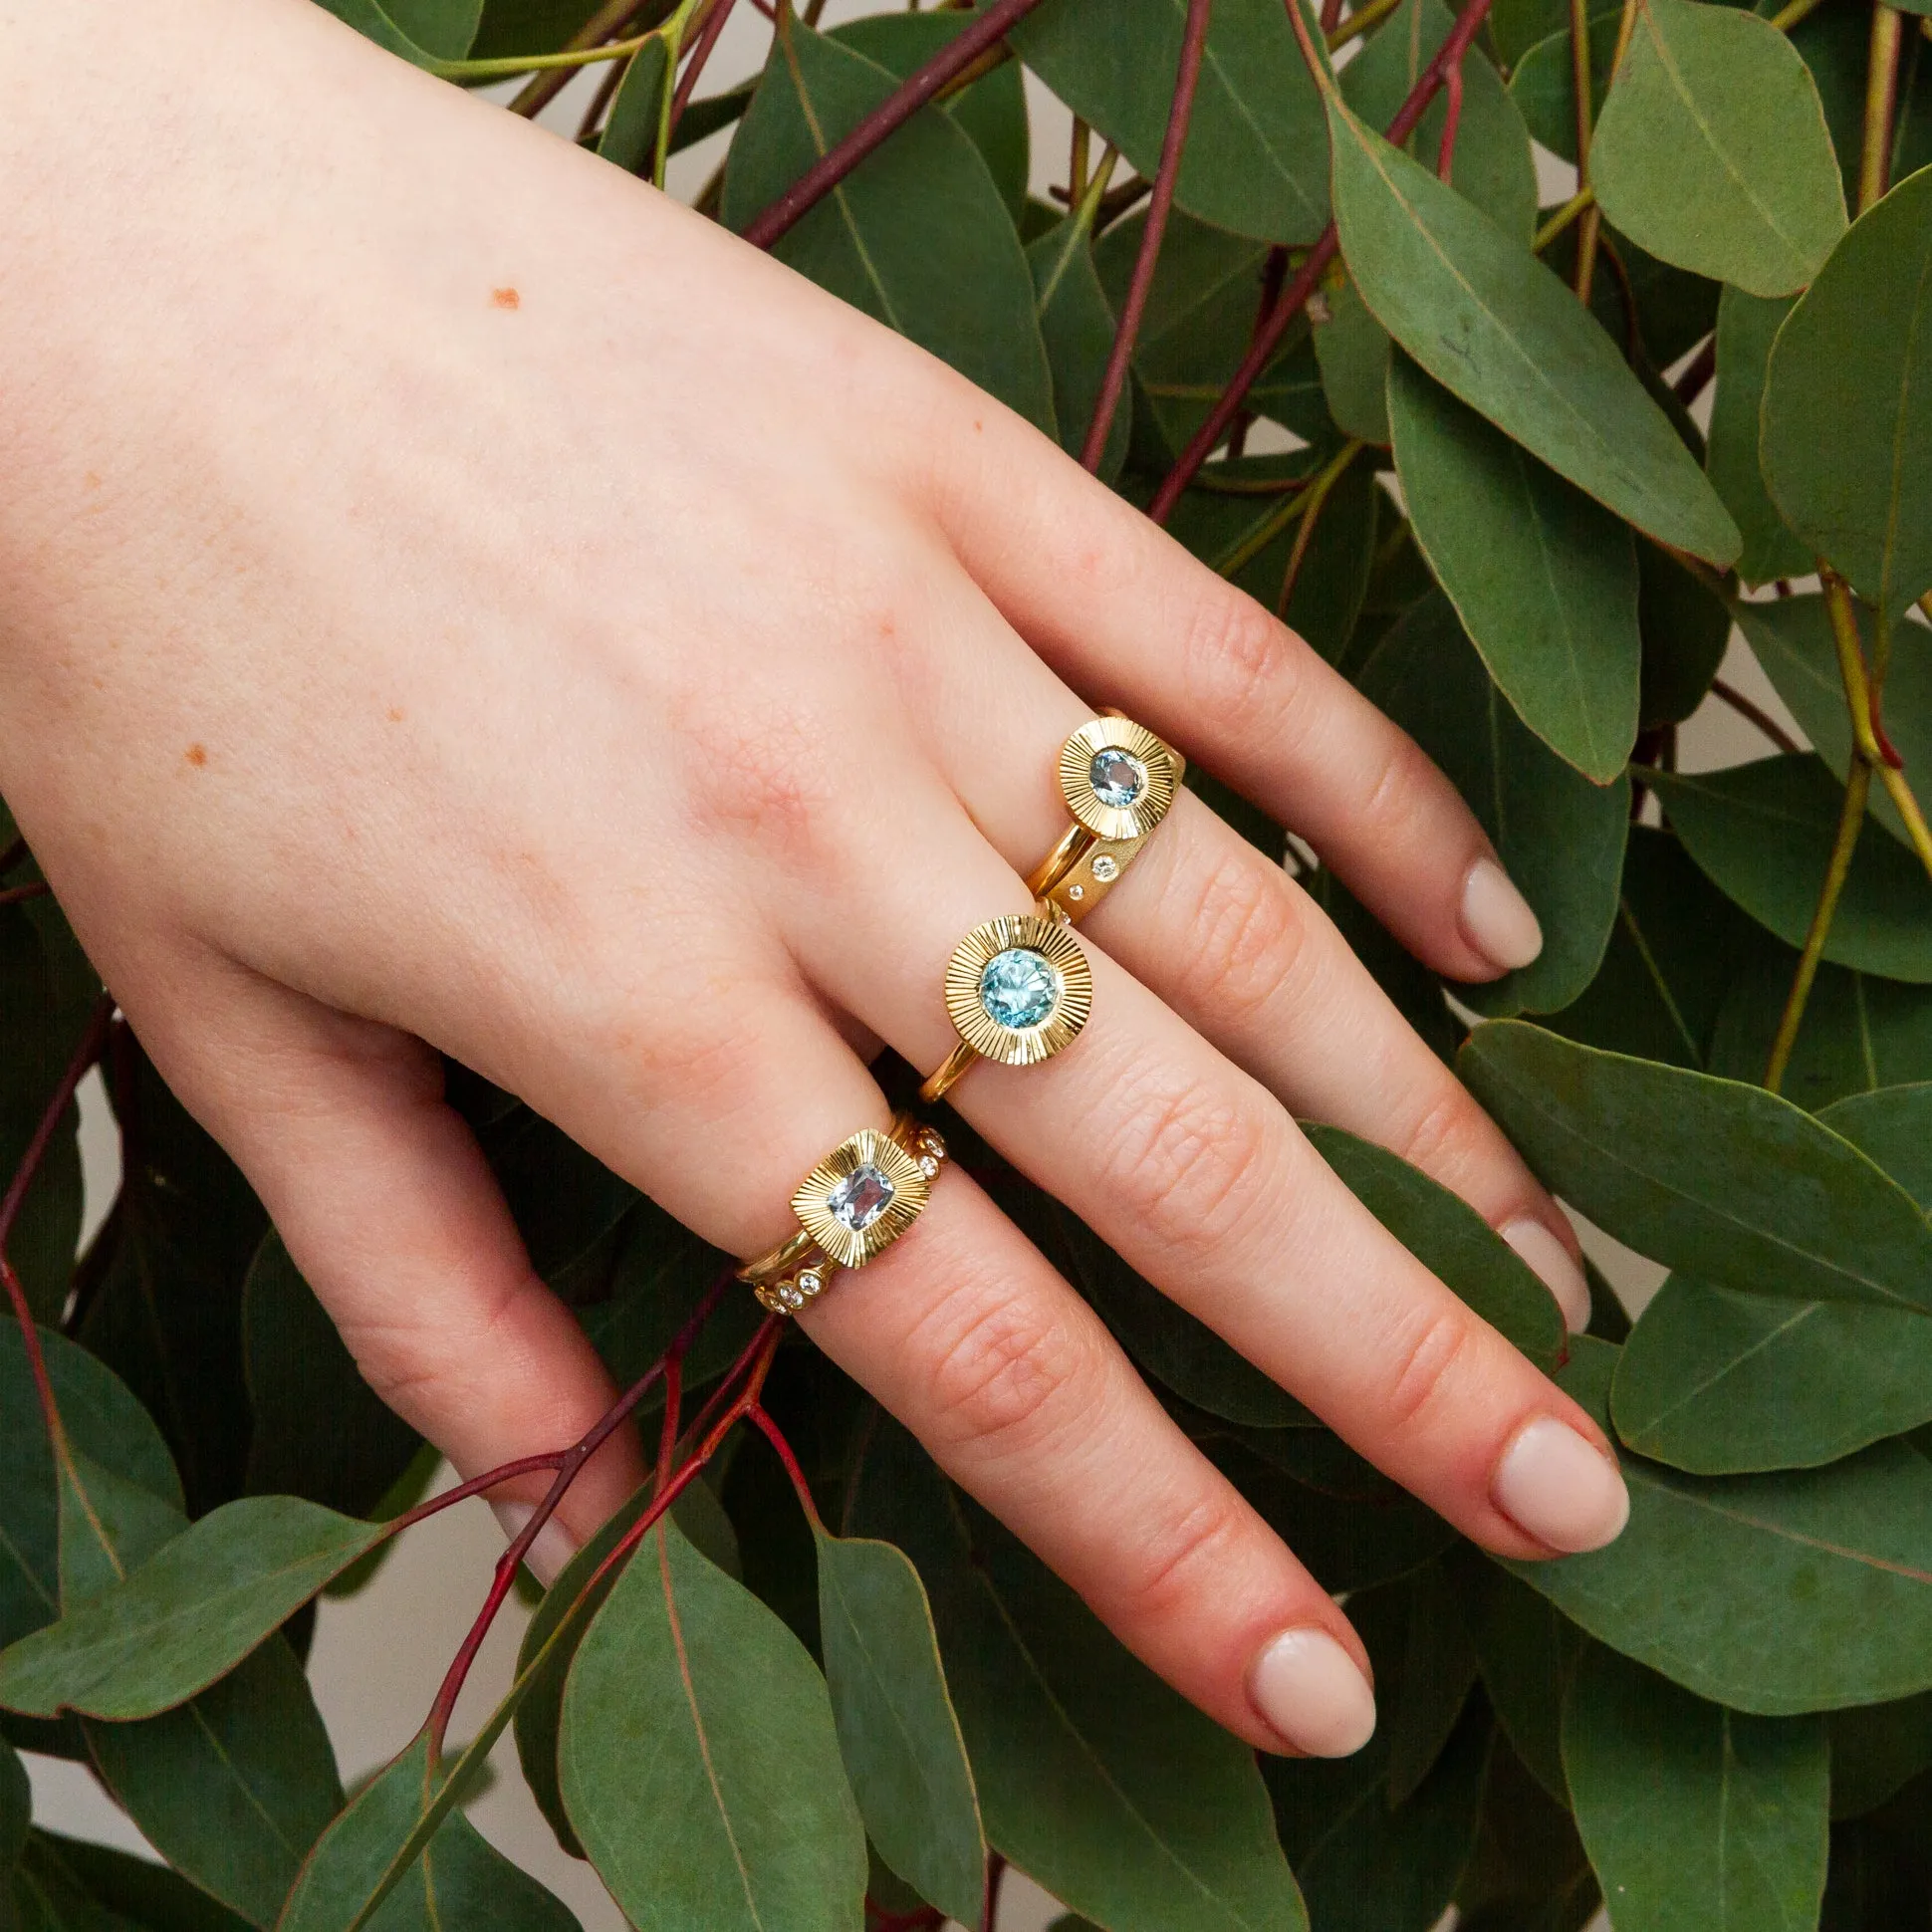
1185 1165
1397 780
1423 1364
1236 656
759 775
1436 1139
1247 934
1005 1378
1196 1544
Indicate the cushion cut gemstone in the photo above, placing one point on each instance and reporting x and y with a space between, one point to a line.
1117 778
1019 988
860 1198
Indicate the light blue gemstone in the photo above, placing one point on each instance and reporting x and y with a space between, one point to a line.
1019 988
1117 778
860 1198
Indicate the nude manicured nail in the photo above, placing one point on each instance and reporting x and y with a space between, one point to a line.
553 1548
1314 1694
1550 1261
1495 918
1560 1489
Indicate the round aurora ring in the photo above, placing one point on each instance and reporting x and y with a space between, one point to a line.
1018 990
1118 781
851 1207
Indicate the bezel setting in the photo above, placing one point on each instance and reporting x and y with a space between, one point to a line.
1019 1046
1092 811
911 1187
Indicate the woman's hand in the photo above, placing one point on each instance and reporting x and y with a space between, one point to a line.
455 596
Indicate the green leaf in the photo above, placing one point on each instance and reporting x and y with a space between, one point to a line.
1076 324
1675 948
45 1896
460 1879
1792 640
636 116
898 1731
147 1894
234 1787
1877 1749
377 23
699 1760
1095 1778
1847 410
1561 838
188 1615
1712 149
1542 84
1895 1126
1799 1591
1746 324
1858 1033
1763 833
915 236
445 27
1697 1818
1365 1864
1724 1181
1526 1651
1491 163
1352 349
511 26
1438 1672
1450 1239
1544 579
320 1430
1256 160
1685 629
1490 322
992 111
1721 1381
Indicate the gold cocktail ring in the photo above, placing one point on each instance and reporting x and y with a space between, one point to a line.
851 1207
1118 781
1018 989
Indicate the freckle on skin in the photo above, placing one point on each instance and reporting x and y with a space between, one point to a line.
92 480
395 714
506 297
196 755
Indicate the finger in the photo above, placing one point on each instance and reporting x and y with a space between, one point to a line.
1243 954
393 1218
1129 618
1197 1176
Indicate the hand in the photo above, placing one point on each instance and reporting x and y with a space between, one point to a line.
458 599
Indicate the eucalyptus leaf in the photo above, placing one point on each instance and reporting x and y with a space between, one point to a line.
1544 579
1685 628
1763 833
1353 351
685 1685
1526 1652
1543 83
1847 410
1490 322
631 127
1077 325
1893 1124
149 1895
1746 324
1712 149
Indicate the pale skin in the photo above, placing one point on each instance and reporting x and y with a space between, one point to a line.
457 599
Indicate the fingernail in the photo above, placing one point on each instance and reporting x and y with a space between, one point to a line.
553 1548
1495 918
1314 1693
1560 1489
1550 1261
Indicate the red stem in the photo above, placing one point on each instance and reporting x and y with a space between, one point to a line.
773 1435
1295 297
38 888
1179 115
700 52
1703 366
891 114
1331 16
1451 121
995 1872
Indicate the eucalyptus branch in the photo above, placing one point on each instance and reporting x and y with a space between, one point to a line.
15 894
1308 277
1273 273
761 1418
995 1873
1881 103
609 19
1754 713
502 67
1174 145
1310 507
1364 19
1787 17
886 118
1697 373
1580 202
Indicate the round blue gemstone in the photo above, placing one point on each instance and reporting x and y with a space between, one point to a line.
1116 776
1019 988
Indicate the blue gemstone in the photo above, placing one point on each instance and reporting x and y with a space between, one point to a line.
860 1198
1116 776
1019 988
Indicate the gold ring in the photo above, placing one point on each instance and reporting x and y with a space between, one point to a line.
1018 990
1118 781
851 1207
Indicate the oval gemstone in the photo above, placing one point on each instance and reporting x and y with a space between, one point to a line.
1117 777
1019 988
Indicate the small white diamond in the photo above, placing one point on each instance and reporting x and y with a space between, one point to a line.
1077 892
791 1296
810 1282
932 1143
928 1167
1107 869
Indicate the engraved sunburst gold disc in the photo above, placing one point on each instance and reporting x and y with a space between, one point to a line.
861 1197
1117 778
1019 988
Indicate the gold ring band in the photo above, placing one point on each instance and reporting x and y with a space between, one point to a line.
1118 781
851 1207
1019 989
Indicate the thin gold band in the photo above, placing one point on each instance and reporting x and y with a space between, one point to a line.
899 1163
